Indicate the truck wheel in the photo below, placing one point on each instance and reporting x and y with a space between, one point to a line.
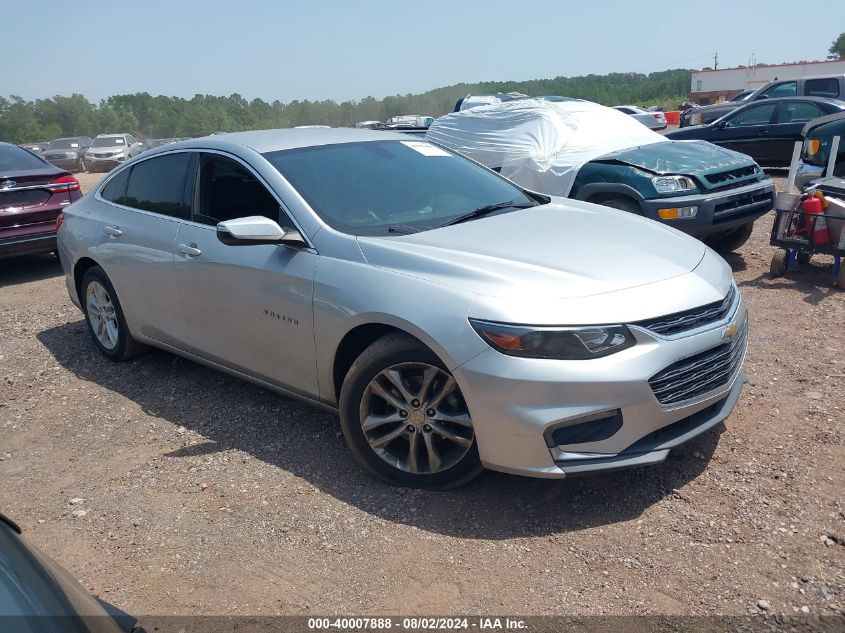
730 241
622 203
778 266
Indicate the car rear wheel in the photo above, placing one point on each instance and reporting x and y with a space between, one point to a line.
730 241
105 318
405 419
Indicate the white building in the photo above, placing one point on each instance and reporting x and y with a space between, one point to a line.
712 86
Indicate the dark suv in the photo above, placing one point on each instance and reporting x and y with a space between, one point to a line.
68 153
830 86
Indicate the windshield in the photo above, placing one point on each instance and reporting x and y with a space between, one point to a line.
64 143
109 141
379 187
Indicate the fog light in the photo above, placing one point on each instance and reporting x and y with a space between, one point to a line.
675 213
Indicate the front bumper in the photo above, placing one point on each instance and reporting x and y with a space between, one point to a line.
807 174
103 164
63 163
718 211
518 403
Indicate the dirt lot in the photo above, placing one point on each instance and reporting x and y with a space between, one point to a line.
169 488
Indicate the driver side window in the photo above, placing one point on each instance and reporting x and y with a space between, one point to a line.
786 89
227 190
755 115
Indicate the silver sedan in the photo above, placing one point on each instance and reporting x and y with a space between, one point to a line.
652 120
452 319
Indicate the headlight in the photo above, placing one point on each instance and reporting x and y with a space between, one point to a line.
562 343
673 184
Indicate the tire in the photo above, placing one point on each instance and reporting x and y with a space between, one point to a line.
622 203
81 166
727 242
778 266
840 278
444 448
109 331
804 258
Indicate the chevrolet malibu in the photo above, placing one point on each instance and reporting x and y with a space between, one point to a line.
454 320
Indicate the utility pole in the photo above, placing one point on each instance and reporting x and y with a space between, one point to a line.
716 61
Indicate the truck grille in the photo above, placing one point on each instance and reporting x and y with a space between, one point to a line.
731 176
690 319
700 374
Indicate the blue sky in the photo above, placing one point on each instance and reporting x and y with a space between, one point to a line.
329 49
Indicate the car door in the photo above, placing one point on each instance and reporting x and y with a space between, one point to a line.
248 307
791 117
747 130
144 205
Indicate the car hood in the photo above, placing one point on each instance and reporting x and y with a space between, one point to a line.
680 157
561 250
106 150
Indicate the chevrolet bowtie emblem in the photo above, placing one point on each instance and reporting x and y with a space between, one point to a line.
730 331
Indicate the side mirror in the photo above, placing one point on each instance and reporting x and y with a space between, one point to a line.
256 229
721 125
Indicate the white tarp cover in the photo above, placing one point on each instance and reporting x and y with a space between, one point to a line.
540 144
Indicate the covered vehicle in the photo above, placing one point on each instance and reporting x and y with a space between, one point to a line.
582 150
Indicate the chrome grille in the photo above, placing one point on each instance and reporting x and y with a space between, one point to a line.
691 319
700 374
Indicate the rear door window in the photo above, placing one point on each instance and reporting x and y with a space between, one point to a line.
755 115
786 89
158 185
115 189
799 112
828 87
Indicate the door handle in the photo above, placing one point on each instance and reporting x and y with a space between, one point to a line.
112 231
189 251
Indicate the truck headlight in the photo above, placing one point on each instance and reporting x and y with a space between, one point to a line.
673 184
561 343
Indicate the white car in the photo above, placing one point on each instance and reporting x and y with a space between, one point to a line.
652 120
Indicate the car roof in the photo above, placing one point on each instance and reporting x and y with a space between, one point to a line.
109 135
836 102
263 141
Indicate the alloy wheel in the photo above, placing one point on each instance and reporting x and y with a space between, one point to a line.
102 315
414 418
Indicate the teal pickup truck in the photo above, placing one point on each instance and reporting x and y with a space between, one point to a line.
697 187
578 149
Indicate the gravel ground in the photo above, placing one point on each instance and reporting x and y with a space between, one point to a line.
168 488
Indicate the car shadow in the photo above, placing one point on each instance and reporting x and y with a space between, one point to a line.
26 268
231 414
735 260
814 281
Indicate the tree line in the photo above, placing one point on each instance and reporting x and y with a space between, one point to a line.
144 115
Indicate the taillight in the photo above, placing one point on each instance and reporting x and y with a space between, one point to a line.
657 116
64 183
59 221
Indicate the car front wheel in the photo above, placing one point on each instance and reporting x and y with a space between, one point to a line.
105 318
732 240
404 417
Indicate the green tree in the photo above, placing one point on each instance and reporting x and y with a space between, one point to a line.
837 49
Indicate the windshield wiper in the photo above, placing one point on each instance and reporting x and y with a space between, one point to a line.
482 211
403 229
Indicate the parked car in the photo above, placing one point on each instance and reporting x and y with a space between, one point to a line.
652 120
818 138
37 594
826 86
585 151
37 147
68 153
32 194
454 319
109 150
765 130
